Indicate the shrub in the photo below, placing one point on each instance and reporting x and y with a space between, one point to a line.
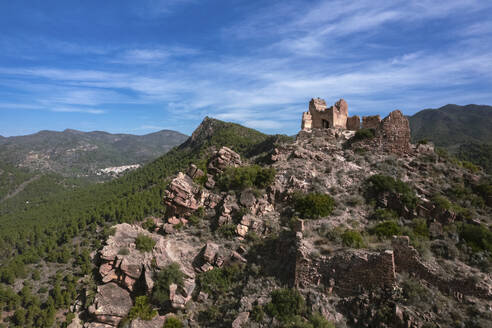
149 224
227 230
257 314
420 228
363 134
239 178
386 229
383 214
416 294
285 304
318 321
470 166
378 185
144 243
167 276
477 237
484 190
313 205
172 322
142 309
220 280
352 238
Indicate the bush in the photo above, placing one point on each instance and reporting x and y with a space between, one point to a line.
167 276
363 134
257 314
227 230
220 280
420 228
142 309
386 229
352 238
477 237
149 224
378 185
239 178
318 321
313 205
484 190
172 322
285 304
383 214
144 243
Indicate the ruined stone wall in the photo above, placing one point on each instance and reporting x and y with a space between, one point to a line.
322 117
353 123
307 121
346 273
407 260
394 133
371 122
340 114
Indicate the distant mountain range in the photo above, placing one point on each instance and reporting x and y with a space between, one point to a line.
73 153
451 126
465 131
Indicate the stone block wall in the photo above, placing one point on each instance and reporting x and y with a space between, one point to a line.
371 122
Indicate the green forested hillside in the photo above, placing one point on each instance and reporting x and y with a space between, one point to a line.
465 131
31 233
65 226
452 125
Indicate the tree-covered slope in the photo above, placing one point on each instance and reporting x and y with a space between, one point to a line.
453 125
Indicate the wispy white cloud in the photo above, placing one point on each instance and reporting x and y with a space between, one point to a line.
304 51
77 110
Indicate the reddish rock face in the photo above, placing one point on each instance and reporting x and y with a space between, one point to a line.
394 133
182 197
222 159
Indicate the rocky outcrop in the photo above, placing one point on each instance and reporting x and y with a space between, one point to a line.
394 133
111 304
182 197
223 158
194 172
156 322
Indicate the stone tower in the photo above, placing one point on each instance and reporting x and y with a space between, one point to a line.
319 116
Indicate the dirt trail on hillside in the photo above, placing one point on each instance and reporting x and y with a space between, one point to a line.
20 188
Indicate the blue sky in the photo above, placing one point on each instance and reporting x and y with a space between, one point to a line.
141 66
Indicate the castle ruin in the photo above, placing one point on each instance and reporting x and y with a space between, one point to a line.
319 116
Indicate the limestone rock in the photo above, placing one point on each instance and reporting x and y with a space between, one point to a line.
223 158
182 197
194 172
111 304
240 320
156 322
209 252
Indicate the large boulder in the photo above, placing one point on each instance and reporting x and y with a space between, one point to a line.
182 197
111 304
223 158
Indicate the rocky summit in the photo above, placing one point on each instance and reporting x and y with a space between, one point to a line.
337 228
